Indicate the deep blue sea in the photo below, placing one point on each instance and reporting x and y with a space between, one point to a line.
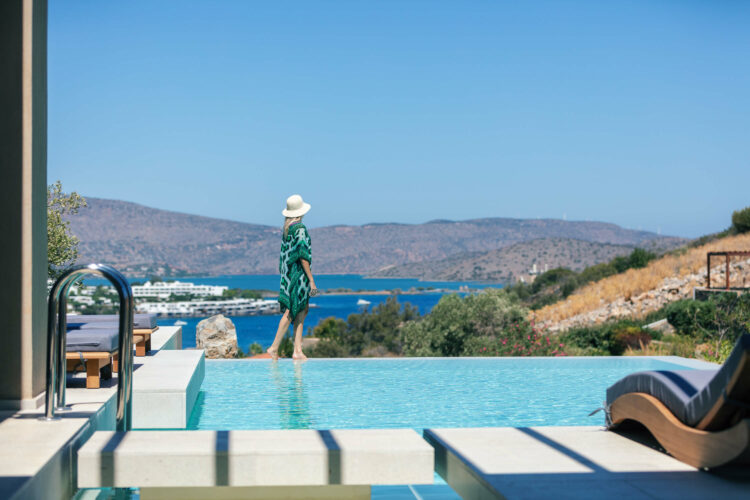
328 281
262 329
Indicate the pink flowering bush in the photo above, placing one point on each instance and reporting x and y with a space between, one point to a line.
491 323
521 339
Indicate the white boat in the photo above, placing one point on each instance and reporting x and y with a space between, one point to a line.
363 302
179 322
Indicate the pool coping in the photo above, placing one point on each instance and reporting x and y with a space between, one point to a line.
688 363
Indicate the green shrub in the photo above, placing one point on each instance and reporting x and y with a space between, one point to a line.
559 283
330 328
719 354
552 277
62 244
698 242
640 258
286 347
621 264
725 316
732 318
567 288
370 330
455 320
637 259
597 272
543 300
629 337
611 338
741 220
255 348
690 317
327 348
594 340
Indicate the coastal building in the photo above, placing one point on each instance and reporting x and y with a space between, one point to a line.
235 307
163 289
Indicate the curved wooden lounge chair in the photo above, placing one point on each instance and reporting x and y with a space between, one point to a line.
701 417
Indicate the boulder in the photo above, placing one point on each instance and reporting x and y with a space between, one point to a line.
217 337
661 326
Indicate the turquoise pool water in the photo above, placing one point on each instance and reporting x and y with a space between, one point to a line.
413 392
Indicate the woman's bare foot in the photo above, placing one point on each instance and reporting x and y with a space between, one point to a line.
274 353
299 356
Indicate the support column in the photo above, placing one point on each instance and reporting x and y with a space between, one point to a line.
23 202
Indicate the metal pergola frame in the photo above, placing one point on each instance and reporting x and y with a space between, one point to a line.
727 255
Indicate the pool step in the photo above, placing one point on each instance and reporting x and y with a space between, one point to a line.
566 462
167 464
165 388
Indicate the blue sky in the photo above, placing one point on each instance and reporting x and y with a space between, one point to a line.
632 112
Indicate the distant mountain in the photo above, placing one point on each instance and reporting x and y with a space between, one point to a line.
512 262
142 240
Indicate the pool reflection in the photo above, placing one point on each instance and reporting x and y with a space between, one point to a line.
294 407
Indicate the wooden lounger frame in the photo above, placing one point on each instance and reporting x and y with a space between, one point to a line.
95 361
143 346
699 448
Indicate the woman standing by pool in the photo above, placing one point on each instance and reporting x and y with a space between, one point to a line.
297 283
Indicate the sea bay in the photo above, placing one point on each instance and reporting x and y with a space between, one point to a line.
333 281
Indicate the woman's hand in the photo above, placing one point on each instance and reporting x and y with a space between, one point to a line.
314 292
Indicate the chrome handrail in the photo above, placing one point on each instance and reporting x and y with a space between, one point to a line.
56 341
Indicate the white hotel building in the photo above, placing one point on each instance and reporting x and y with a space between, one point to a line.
162 289
235 307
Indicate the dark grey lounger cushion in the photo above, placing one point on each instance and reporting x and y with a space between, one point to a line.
140 321
673 388
689 394
702 402
101 340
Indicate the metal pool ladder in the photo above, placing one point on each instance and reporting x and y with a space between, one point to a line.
56 341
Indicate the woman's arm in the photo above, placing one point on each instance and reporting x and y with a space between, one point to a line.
306 268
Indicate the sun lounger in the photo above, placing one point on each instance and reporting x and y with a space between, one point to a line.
143 326
96 351
701 417
92 349
140 321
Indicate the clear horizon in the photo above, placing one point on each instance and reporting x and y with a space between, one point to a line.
632 113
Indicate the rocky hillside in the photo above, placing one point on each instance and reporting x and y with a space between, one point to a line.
638 292
143 240
515 261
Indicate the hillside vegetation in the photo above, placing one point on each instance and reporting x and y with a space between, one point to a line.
513 263
686 267
557 284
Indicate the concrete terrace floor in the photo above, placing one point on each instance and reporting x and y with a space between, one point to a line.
572 462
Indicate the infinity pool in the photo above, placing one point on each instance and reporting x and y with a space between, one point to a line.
412 392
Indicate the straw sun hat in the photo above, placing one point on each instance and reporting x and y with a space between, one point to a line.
295 207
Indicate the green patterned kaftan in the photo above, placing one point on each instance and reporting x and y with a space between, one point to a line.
295 285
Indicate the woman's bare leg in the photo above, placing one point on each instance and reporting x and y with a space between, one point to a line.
299 325
280 332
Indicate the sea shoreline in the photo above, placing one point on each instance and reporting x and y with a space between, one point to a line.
362 276
391 292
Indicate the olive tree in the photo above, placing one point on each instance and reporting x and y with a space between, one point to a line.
62 245
741 220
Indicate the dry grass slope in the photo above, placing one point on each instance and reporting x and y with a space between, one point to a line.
635 282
